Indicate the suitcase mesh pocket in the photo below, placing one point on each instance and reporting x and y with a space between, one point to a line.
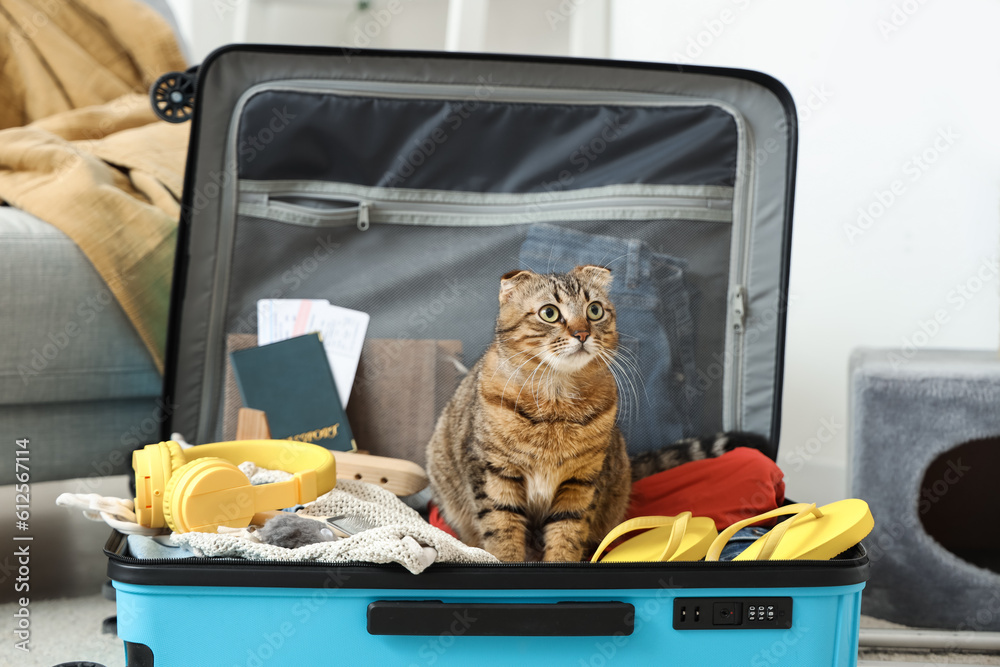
439 282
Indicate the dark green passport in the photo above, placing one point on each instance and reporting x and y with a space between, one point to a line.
292 383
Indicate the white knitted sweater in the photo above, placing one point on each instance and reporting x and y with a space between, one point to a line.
401 536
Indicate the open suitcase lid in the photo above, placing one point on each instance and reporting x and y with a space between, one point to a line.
266 116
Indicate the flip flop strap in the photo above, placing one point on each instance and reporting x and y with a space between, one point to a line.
773 537
678 523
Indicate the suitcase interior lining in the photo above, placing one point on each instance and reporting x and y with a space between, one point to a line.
479 150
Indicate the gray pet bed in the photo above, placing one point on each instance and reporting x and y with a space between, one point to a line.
924 449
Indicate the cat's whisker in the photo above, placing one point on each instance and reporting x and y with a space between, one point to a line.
627 397
527 381
549 377
627 357
511 376
626 360
609 362
517 354
623 372
546 381
504 362
626 350
633 365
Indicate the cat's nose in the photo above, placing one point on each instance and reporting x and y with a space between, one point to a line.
581 335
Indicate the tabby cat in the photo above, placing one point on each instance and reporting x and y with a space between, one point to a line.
526 460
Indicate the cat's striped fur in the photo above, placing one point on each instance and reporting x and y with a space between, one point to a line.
526 460
693 449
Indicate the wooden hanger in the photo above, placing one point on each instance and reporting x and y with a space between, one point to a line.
397 475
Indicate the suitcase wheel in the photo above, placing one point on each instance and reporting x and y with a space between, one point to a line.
172 96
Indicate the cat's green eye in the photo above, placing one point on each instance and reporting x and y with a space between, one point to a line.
595 311
548 313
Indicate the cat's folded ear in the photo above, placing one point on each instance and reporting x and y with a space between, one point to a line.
510 280
594 275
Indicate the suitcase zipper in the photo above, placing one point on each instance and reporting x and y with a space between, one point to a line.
343 211
849 569
742 205
117 544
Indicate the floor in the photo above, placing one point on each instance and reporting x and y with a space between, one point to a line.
70 629
66 550
919 657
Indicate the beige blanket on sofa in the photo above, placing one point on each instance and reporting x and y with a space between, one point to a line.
81 148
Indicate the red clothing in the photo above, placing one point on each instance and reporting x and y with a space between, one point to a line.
739 484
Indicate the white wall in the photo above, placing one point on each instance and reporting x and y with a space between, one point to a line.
900 94
892 94
521 26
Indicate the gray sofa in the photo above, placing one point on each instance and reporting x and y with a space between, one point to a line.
75 378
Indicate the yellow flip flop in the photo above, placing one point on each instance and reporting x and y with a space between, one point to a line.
813 533
667 538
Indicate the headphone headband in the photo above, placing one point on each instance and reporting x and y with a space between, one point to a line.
200 488
288 455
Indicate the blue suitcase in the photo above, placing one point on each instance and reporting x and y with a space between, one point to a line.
404 184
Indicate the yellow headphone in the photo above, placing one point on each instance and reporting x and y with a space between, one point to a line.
200 488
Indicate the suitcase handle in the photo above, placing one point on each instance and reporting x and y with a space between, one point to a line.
560 619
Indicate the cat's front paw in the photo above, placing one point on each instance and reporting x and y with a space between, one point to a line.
564 553
509 553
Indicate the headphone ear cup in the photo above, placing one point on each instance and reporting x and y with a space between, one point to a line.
154 466
205 494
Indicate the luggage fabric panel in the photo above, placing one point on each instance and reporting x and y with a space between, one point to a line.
481 145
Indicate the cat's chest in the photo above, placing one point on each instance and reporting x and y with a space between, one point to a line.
540 489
